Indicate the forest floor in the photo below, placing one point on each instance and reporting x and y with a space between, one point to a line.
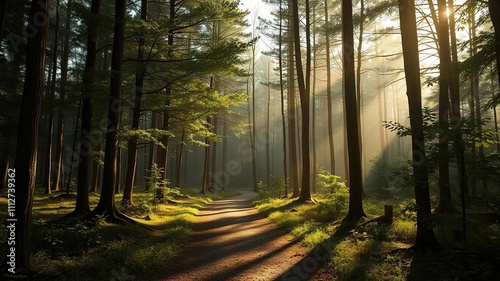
233 241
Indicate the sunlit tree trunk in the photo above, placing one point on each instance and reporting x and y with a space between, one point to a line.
313 103
282 93
350 104
268 129
426 239
254 125
27 137
359 99
329 93
291 116
206 163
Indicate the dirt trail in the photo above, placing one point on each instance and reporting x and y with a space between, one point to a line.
233 241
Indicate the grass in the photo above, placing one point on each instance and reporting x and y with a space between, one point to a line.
381 251
76 251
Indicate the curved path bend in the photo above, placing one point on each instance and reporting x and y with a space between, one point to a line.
233 241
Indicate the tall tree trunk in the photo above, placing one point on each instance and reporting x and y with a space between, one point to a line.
58 157
163 159
304 89
136 114
456 118
292 139
268 125
359 99
350 102
206 163
254 124
27 137
444 107
282 93
426 238
329 93
313 104
106 205
50 137
83 185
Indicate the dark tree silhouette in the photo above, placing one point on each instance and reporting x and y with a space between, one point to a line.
304 88
136 114
106 206
83 185
353 138
444 106
27 137
425 234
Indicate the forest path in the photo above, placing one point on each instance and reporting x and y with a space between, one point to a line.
233 241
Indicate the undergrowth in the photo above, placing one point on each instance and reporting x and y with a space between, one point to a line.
74 250
380 251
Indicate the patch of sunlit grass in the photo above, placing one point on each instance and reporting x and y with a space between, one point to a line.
115 249
402 230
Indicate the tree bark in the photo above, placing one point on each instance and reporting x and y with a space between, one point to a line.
329 93
304 89
291 116
62 96
27 137
83 185
136 114
106 205
426 238
282 93
350 102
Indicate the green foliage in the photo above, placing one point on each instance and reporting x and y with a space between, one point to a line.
335 190
276 190
407 211
153 178
73 237
484 167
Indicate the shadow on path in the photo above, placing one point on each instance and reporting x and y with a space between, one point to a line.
233 241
